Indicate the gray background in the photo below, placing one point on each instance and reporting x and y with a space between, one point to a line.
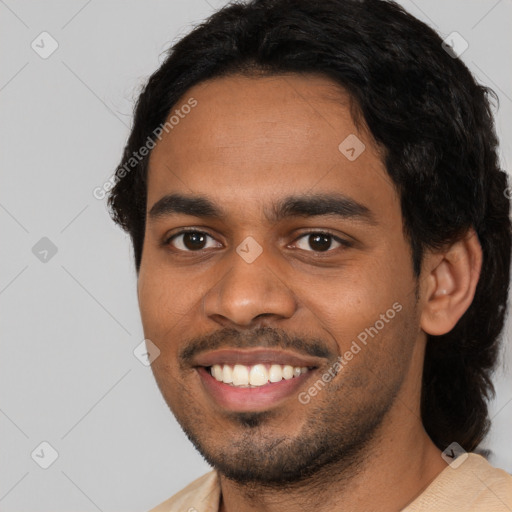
68 375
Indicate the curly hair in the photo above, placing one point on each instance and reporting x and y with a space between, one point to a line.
435 123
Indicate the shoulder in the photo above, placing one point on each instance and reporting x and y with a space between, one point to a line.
473 486
202 495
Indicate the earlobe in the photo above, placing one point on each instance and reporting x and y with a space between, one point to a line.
450 284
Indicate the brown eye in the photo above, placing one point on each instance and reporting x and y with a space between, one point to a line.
192 241
319 242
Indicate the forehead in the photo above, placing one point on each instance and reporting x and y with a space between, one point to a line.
264 137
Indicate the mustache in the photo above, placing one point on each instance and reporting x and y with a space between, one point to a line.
267 337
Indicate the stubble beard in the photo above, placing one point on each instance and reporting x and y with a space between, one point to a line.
333 442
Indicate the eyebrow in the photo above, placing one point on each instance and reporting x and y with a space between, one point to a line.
292 206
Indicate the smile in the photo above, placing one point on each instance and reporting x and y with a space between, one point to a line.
240 375
253 379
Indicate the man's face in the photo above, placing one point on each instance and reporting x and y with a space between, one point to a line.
299 261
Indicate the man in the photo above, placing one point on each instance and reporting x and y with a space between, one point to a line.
322 240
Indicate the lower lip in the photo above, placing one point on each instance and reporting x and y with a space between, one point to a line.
251 399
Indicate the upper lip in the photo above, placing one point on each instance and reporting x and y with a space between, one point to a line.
254 356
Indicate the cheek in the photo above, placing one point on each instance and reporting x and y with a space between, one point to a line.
363 311
149 294
352 299
164 297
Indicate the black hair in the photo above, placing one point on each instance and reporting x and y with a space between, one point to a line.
435 123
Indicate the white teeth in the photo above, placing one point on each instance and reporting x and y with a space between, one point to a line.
276 373
240 375
217 371
255 375
288 372
227 374
258 376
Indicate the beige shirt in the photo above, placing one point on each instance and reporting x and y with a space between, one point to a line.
474 486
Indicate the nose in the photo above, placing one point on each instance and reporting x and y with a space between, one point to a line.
249 293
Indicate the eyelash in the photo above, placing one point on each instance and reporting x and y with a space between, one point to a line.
341 241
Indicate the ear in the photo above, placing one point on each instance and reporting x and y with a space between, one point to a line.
449 283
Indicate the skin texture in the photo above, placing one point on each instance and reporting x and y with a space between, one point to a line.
359 444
